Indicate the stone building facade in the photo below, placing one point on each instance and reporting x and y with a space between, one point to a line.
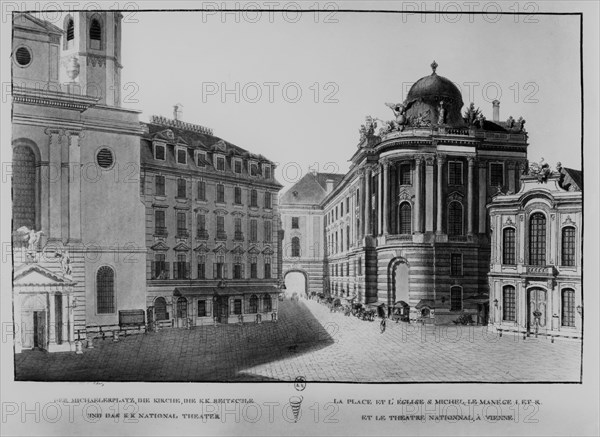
212 227
536 261
75 181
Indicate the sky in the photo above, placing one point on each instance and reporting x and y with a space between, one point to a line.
296 88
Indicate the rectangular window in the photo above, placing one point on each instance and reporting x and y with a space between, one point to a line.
181 156
456 264
160 268
253 169
159 152
220 193
220 163
181 268
237 224
347 205
455 173
268 200
268 229
267 169
295 223
181 225
237 268
221 228
201 190
508 247
181 188
159 223
253 230
496 174
159 185
201 159
267 267
568 246
568 307
237 306
253 268
509 303
405 174
237 166
201 308
219 268
254 198
202 267
237 194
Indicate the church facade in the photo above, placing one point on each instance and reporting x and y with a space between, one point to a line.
78 247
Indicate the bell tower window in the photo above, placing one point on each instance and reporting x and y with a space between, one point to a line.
70 28
95 34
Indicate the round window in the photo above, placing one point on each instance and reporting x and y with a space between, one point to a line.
105 158
23 56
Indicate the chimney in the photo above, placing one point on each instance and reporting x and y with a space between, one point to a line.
496 110
329 185
178 111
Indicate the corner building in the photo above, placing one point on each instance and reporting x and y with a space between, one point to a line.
408 224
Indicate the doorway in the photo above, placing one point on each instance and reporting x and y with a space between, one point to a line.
39 329
536 311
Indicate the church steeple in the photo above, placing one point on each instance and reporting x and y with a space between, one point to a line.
90 58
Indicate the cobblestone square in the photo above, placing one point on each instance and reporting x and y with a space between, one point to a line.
310 341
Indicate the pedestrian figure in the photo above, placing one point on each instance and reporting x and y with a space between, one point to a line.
382 325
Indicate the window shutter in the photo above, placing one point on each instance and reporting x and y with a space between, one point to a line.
243 271
224 270
214 270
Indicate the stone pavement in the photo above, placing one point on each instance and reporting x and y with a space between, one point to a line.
310 341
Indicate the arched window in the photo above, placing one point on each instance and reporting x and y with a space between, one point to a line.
24 187
70 30
253 304
405 219
568 246
455 218
182 308
160 309
509 303
508 246
537 239
455 299
295 246
95 34
105 290
267 303
568 307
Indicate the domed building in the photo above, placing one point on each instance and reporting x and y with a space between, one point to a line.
406 229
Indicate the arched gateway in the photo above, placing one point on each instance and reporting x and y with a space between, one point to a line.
398 288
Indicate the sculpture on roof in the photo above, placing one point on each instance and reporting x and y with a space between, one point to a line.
540 170
510 123
65 262
471 115
367 130
441 113
421 120
31 237
521 124
399 110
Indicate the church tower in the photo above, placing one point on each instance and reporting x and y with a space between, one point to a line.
91 54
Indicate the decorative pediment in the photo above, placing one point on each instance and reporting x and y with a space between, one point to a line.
202 248
182 142
182 207
220 145
238 214
160 246
238 250
568 221
220 211
404 195
253 251
34 274
166 135
268 251
509 222
201 210
158 205
253 215
268 217
182 247
455 195
220 249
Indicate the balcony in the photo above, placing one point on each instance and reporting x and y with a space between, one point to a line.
182 233
202 234
181 270
160 270
221 235
238 236
545 271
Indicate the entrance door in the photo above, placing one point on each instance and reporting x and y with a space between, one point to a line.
295 282
537 306
401 290
182 312
39 329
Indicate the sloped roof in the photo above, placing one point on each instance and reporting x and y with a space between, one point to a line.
310 190
20 20
571 180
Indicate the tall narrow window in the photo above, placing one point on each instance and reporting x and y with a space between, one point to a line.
201 227
159 222
455 218
496 174
202 308
253 267
221 235
105 290
95 35
182 231
70 34
405 175
253 304
295 222
181 188
159 152
238 271
568 307
181 268
268 231
159 184
456 264
220 193
509 303
267 304
220 163
181 156
568 246
455 173
237 224
201 266
508 246
405 222
268 198
537 239
267 171
295 246
219 267
455 299
237 166
237 195
201 190
253 230
253 198
24 187
267 267
160 309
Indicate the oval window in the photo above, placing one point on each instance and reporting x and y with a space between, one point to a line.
105 158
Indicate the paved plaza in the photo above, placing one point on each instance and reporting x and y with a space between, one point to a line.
311 342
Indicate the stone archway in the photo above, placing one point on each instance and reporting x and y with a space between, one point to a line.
296 281
398 285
